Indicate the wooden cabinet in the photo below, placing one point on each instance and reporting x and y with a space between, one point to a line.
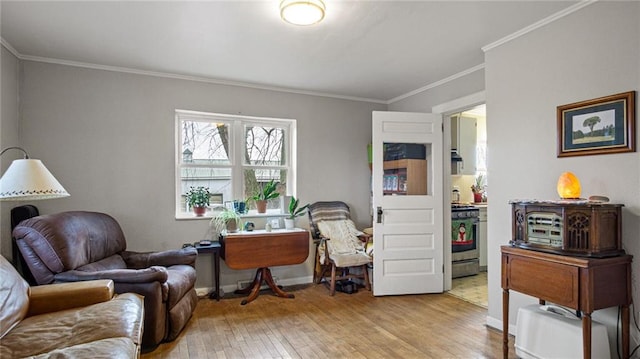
405 177
463 140
580 283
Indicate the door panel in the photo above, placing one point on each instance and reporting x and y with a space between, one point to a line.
407 188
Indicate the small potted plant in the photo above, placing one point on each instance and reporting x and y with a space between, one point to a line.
198 199
294 212
226 220
478 188
262 195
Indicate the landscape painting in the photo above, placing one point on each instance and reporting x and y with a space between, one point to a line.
598 126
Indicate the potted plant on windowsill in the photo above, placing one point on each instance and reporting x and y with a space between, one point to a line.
267 192
226 220
294 212
198 199
478 189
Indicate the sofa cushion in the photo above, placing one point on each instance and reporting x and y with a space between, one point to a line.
14 297
117 318
112 262
111 348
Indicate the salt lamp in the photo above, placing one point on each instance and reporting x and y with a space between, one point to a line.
568 186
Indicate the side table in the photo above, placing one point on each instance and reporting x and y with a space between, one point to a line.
213 248
581 283
261 249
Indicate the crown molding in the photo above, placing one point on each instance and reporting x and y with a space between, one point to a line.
437 83
557 16
180 77
9 48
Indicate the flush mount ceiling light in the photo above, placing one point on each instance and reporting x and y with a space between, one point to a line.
302 12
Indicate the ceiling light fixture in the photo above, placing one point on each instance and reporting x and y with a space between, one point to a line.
302 12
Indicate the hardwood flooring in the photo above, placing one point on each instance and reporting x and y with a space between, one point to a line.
316 325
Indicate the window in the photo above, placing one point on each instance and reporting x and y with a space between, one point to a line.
233 156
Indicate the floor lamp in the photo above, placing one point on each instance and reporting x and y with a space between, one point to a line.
27 180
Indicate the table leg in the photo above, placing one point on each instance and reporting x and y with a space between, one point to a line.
505 323
253 289
586 335
216 259
269 280
215 294
625 331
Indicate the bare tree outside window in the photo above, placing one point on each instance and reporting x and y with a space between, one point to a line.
265 147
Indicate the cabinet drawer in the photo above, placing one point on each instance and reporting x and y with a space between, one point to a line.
554 282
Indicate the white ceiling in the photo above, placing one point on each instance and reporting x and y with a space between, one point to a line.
376 50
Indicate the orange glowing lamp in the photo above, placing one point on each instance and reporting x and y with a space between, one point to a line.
568 186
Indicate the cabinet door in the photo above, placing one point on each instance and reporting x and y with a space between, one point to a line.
464 139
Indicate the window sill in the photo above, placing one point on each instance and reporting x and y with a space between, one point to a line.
185 216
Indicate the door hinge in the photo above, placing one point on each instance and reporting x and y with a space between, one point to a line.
442 126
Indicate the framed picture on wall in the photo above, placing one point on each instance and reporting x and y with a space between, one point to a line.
598 126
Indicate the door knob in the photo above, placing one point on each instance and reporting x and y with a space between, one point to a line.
379 214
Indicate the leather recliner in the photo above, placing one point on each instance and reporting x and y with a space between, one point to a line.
78 246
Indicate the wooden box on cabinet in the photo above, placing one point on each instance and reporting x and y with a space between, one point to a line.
410 177
578 228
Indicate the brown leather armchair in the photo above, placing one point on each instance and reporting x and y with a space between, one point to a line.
78 246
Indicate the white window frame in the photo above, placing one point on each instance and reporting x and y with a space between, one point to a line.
236 151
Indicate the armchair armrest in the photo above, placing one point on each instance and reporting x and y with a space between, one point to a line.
139 260
151 274
55 297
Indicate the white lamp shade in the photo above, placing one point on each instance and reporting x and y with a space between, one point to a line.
302 12
29 179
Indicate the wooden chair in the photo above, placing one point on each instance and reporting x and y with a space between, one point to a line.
336 261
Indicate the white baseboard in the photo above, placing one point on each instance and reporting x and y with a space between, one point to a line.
497 324
230 288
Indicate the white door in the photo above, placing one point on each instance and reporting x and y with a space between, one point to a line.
407 203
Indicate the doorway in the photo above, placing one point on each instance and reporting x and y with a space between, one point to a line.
469 197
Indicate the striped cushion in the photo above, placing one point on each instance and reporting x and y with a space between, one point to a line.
326 211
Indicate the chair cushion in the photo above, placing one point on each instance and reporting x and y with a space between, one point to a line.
68 328
14 297
343 236
350 260
326 211
68 240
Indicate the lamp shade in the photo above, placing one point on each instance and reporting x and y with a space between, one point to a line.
302 12
29 179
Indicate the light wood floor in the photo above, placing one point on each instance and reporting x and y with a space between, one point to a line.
316 325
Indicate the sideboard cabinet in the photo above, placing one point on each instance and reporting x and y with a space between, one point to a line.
581 283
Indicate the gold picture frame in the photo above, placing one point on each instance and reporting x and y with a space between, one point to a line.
609 120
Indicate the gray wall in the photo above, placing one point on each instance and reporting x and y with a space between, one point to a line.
108 137
9 135
591 53
424 101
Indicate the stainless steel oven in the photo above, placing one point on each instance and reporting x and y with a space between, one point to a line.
464 241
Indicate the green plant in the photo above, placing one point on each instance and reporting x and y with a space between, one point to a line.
267 192
198 196
478 186
219 222
294 211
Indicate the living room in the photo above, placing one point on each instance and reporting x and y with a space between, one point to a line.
109 138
